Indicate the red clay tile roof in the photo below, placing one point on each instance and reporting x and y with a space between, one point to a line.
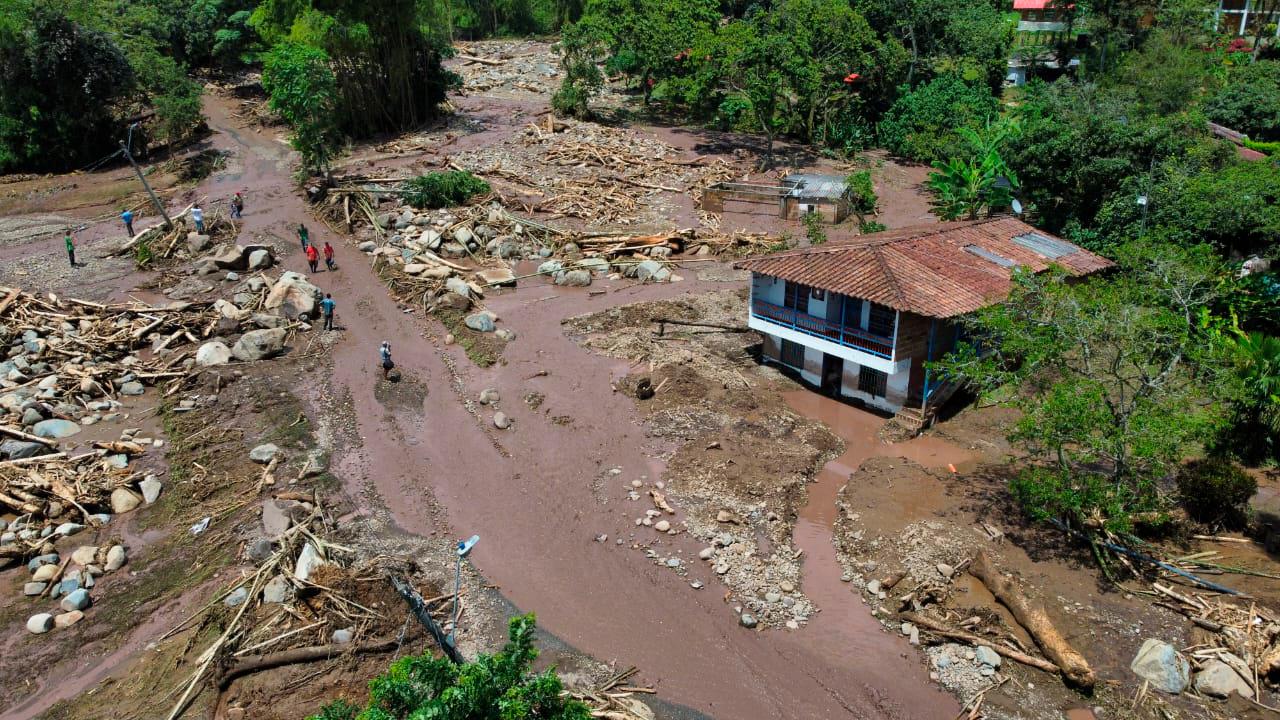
930 270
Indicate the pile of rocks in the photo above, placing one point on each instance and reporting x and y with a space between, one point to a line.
510 65
1217 674
70 580
963 670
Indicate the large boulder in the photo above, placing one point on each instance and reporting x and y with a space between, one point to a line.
259 344
19 449
480 322
231 257
1219 679
214 352
454 301
259 259
574 278
1162 665
293 295
55 428
458 285
595 264
197 243
651 271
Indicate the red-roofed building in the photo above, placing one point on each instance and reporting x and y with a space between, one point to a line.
862 317
1041 15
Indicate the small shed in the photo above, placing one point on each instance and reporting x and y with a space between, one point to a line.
826 195
796 195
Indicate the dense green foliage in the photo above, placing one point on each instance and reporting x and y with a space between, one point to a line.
493 687
963 38
977 180
301 84
924 124
387 72
1249 101
1253 434
1111 374
1216 491
862 193
443 189
62 86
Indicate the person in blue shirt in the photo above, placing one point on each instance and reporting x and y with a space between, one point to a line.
127 217
326 309
384 354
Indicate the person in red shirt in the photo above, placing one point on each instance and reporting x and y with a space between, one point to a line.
313 257
328 257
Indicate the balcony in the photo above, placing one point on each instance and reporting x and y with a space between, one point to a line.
818 327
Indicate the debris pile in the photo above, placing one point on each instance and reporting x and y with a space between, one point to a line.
589 171
300 598
511 66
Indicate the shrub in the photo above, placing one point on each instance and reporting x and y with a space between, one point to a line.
1250 101
866 227
813 227
862 192
493 686
443 189
1216 491
922 124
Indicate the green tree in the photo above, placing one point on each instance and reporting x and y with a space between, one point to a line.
1080 145
493 686
1206 195
581 52
387 72
61 85
1249 101
924 124
645 37
1112 377
970 39
302 89
862 193
978 181
1253 433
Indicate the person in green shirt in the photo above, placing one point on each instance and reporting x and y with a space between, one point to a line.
302 235
71 247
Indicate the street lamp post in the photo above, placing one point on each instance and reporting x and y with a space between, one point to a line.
464 548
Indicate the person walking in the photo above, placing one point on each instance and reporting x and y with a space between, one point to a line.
302 235
237 206
197 215
127 217
313 257
326 309
328 257
384 356
71 246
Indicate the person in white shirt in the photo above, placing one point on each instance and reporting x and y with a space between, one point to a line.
198 216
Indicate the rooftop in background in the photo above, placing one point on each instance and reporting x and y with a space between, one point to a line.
1034 4
940 271
809 185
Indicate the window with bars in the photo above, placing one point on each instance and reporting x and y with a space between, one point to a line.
881 320
792 354
872 382
796 296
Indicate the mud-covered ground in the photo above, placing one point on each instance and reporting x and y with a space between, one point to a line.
720 536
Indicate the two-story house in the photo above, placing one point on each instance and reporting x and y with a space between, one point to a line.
862 317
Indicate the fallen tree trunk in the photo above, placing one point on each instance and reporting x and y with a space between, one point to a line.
256 663
942 630
1074 666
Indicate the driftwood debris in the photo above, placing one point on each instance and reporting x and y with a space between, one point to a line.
943 630
1032 617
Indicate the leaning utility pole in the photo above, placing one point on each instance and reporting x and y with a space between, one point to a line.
124 147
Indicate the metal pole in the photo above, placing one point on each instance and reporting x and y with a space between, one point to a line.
124 147
457 588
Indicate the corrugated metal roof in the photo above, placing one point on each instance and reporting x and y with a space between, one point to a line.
929 270
811 185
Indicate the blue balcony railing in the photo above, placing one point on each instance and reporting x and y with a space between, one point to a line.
818 327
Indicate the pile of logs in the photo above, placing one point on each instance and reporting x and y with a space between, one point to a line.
589 171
